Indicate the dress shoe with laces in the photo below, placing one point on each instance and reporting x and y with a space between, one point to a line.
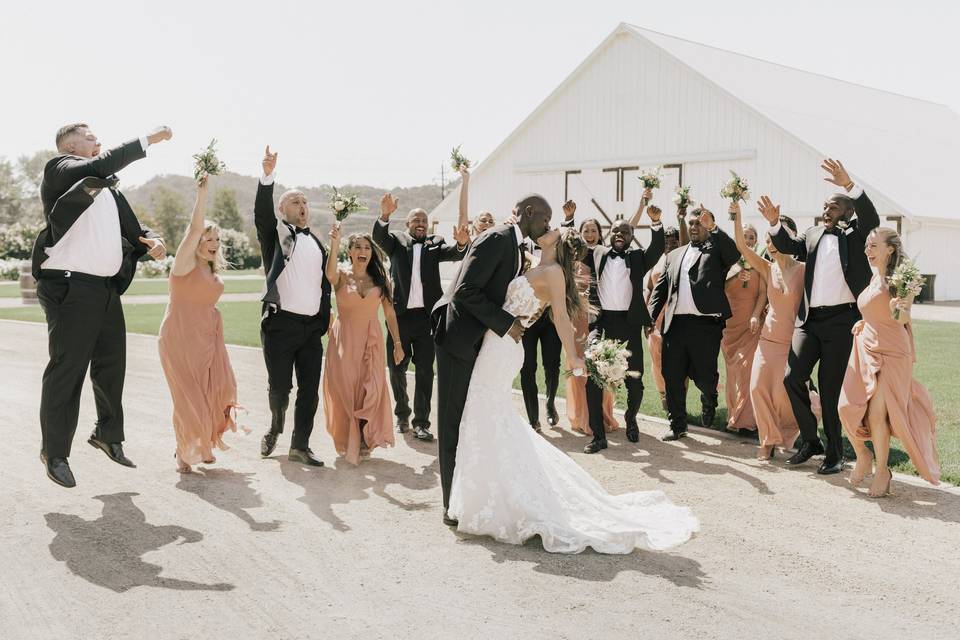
449 521
114 450
304 456
829 467
58 470
633 431
536 426
595 446
672 436
706 416
268 443
806 451
422 433
403 426
552 416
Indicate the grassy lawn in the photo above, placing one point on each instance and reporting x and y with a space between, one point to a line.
938 352
10 289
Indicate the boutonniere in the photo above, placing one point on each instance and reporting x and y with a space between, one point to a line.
843 225
847 231
706 245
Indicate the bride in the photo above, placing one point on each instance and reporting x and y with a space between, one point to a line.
512 484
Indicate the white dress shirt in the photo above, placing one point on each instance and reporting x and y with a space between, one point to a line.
829 287
415 297
615 289
92 244
300 284
685 302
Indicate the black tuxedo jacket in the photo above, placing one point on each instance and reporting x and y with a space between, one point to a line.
70 184
639 262
856 269
278 240
398 245
708 275
473 302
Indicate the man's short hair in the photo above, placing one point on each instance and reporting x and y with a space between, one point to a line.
68 130
671 232
845 202
413 212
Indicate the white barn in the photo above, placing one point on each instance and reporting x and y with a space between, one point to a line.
643 99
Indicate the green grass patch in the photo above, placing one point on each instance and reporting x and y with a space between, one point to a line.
938 351
10 289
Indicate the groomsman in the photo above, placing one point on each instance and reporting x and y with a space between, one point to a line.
691 289
296 311
543 333
415 259
83 260
837 272
618 271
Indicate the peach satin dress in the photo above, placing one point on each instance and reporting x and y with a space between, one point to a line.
354 375
776 423
738 346
882 358
196 365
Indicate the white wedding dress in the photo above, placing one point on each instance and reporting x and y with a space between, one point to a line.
511 484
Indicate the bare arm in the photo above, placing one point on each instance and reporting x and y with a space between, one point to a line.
682 226
759 265
186 258
561 320
463 217
644 199
331 270
390 315
758 307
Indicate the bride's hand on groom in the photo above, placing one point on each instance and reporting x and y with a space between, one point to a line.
516 329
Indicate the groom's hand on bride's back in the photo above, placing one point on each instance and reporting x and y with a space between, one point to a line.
516 329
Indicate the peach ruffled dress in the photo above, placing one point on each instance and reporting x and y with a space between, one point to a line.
738 346
354 376
776 423
196 365
882 358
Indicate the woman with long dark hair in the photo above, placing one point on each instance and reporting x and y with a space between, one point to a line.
356 399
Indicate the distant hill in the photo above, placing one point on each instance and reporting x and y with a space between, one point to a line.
245 187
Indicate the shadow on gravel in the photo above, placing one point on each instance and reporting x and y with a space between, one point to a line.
107 551
229 491
906 500
595 567
352 483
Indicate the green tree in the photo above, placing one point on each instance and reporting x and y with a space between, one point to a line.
11 194
225 210
169 215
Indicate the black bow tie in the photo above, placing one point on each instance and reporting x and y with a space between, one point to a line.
305 231
833 231
418 240
618 254
696 245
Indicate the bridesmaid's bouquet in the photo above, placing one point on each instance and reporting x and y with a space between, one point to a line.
343 204
736 189
207 162
682 197
650 179
607 362
906 279
458 160
744 266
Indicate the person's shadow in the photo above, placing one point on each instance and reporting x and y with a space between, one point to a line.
229 491
108 551
353 483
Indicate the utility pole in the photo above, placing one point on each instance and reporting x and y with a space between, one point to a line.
443 181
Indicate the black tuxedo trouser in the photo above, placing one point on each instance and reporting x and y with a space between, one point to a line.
453 381
690 350
613 325
543 332
85 328
825 336
417 342
293 343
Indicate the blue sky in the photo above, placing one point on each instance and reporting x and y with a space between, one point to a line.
378 92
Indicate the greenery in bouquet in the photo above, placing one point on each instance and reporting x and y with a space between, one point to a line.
342 204
650 179
458 160
736 189
681 197
207 162
607 362
907 281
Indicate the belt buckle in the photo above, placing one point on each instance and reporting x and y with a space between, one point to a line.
67 274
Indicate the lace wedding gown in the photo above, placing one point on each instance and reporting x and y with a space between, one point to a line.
511 484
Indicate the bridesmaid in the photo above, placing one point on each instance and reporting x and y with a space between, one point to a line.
356 400
192 351
671 240
577 385
748 298
783 277
484 220
880 397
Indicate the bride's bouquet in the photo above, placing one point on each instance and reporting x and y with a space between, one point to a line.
607 362
343 204
650 179
458 160
206 162
906 279
736 189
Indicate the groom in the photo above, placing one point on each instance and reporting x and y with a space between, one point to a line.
471 305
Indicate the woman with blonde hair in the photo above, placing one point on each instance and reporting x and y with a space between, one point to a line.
192 351
880 398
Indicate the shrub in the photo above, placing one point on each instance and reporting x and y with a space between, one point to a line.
10 269
16 240
238 250
155 268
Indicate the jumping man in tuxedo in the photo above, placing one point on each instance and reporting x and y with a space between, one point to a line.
691 289
83 260
837 272
415 259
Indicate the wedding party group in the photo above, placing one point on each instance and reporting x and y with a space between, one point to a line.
777 303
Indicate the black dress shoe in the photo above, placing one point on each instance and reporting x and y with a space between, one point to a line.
59 471
806 451
552 416
671 436
268 443
706 416
830 467
114 450
594 446
304 456
633 432
536 426
403 426
447 520
421 433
